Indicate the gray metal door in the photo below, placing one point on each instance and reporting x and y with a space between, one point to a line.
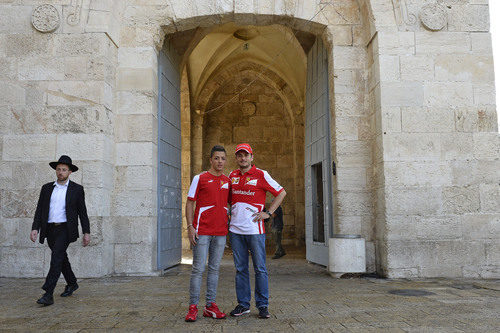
169 160
318 172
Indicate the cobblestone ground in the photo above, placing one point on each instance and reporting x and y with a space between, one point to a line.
303 298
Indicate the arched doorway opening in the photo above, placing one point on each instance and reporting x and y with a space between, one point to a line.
248 84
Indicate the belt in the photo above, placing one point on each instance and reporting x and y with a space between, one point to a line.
57 224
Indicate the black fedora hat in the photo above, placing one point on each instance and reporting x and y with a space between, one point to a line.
64 159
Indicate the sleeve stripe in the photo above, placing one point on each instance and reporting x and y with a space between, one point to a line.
274 184
193 187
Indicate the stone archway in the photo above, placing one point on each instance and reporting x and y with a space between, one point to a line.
346 30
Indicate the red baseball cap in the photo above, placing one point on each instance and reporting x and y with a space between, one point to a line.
243 146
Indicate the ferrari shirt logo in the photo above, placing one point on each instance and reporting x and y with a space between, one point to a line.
224 185
252 182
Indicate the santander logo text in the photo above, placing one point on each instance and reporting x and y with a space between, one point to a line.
243 192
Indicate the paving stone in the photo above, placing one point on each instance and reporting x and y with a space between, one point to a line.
303 298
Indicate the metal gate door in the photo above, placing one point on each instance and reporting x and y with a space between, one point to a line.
169 160
318 176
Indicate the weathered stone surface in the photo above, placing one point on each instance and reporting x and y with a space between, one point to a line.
98 201
481 43
86 147
392 42
136 103
417 174
81 44
354 202
135 230
80 257
8 67
353 153
480 226
19 203
484 94
133 258
456 146
467 68
486 146
97 174
136 128
15 19
134 203
427 120
476 119
137 79
389 68
460 200
439 228
79 93
29 147
448 94
417 68
40 68
349 178
402 93
412 147
413 201
390 119
12 266
11 94
29 44
341 35
469 18
58 119
489 195
442 42
348 57
138 57
134 153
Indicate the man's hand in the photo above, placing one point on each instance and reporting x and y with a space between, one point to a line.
86 239
193 235
260 216
33 235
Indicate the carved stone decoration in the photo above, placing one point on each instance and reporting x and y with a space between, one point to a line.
408 18
434 16
45 18
248 108
74 18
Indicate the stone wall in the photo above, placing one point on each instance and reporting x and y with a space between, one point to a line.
414 132
56 97
438 142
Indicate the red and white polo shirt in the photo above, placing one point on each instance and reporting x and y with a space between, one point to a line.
212 195
248 196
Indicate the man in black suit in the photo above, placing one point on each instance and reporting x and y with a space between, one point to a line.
56 218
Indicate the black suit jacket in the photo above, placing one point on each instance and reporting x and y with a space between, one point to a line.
75 207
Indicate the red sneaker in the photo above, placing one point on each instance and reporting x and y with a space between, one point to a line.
213 311
192 313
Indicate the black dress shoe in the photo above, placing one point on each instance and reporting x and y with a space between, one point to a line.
70 288
46 299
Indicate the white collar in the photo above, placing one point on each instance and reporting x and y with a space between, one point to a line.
63 185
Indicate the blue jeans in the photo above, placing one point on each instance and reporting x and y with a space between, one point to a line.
213 247
256 244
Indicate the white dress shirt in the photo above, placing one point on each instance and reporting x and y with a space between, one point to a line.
57 210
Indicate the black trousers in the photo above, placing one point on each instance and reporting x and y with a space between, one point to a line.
57 238
277 235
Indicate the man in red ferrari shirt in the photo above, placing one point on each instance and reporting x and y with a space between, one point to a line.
248 197
206 215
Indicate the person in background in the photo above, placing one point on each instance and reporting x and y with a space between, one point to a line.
59 206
